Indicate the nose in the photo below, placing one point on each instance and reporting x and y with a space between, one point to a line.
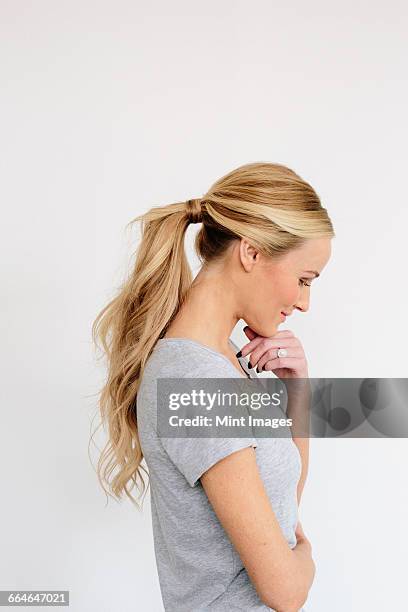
303 303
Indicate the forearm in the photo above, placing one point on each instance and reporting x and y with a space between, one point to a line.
296 580
305 571
307 568
298 409
303 447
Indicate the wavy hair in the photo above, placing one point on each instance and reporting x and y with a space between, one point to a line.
266 203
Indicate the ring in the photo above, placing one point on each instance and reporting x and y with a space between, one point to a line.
282 352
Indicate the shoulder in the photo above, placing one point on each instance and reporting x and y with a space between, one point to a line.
180 359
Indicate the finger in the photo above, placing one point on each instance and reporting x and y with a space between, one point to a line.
299 528
261 354
284 332
292 363
271 341
250 332
271 346
250 346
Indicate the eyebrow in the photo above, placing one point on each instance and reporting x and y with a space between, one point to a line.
313 272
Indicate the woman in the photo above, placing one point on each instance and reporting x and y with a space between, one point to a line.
224 511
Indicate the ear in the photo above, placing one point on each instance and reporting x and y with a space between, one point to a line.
249 255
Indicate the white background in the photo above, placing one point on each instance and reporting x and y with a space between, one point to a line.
110 108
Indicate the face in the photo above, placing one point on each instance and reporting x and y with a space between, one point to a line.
280 286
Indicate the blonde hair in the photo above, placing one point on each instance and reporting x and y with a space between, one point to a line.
266 203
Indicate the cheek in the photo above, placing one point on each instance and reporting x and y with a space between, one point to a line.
287 293
277 290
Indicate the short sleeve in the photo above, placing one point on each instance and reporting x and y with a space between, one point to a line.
194 456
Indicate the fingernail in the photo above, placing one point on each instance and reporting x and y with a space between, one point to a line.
239 354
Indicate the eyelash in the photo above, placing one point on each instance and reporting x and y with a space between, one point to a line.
305 284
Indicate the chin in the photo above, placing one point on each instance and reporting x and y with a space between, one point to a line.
266 331
272 331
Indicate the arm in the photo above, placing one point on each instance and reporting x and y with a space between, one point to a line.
281 576
303 446
298 409
295 376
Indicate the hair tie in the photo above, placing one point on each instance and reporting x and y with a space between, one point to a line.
193 210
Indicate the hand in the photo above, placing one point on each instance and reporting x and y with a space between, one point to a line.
263 354
300 535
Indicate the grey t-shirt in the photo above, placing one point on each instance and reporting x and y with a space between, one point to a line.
198 567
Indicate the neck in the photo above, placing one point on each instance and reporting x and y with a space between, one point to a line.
208 314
